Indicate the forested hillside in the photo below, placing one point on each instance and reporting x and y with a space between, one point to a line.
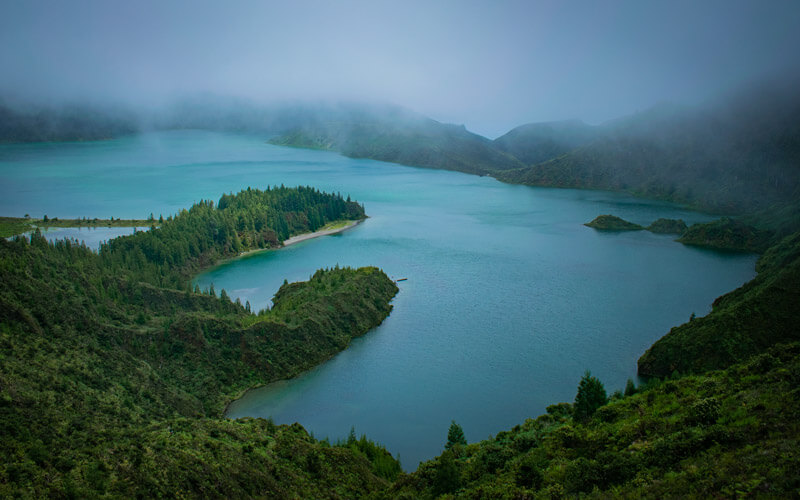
735 155
402 137
114 373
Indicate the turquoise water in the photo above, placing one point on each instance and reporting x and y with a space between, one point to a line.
509 298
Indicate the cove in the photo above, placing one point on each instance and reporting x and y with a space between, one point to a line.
509 298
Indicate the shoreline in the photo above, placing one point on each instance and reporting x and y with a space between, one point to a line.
322 232
302 237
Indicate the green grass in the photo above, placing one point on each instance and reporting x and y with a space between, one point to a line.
335 225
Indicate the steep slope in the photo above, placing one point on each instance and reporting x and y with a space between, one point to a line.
742 323
399 136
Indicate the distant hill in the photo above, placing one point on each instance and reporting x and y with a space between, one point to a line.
71 123
400 136
737 154
537 142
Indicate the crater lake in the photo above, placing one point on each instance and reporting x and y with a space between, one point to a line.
508 297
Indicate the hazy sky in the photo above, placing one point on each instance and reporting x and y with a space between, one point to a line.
490 65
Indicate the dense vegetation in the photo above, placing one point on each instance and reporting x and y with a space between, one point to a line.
252 219
612 223
667 226
727 234
114 372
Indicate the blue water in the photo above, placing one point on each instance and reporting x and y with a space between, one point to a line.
509 298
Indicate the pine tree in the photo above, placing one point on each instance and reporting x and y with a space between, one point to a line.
455 435
591 396
630 388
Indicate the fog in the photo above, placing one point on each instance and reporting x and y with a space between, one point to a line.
488 65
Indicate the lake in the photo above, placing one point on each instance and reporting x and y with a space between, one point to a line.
508 298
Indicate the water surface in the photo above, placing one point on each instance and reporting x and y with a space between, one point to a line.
509 298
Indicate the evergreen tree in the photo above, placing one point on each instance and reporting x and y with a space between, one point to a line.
630 388
455 435
591 396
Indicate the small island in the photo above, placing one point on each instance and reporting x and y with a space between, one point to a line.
613 223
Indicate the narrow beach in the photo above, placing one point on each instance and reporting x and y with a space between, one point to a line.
322 232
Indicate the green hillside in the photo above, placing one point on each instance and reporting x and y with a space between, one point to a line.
411 140
742 323
115 374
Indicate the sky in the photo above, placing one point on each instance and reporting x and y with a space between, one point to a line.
490 65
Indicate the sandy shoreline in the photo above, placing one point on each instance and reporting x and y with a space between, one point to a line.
303 237
324 232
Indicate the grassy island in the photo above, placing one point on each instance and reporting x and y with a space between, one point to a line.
612 223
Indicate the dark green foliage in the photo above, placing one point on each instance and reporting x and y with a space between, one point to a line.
727 234
727 433
630 388
667 226
742 323
612 223
447 478
111 383
591 396
250 220
455 436
384 465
